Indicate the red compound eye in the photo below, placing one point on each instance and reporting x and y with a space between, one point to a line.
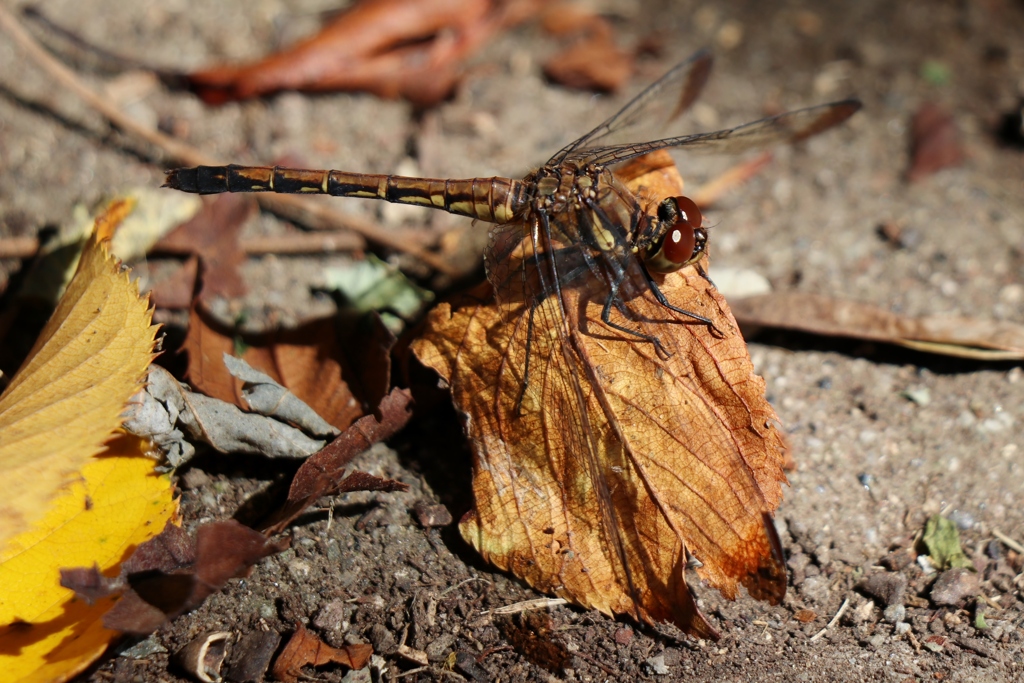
680 239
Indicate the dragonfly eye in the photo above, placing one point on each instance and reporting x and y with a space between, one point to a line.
682 237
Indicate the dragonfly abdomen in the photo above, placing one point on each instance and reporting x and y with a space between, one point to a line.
496 200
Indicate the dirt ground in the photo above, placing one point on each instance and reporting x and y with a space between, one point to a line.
883 438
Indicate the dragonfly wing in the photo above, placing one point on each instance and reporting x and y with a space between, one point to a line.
790 127
658 105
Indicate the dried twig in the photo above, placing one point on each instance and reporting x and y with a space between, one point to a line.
1008 542
527 605
460 584
835 620
294 243
298 209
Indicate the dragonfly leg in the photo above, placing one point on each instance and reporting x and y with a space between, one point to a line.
663 300
704 274
526 364
606 317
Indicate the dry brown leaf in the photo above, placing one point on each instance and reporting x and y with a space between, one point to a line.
176 290
213 235
322 474
171 574
934 140
618 461
805 616
948 335
304 648
307 360
392 48
594 61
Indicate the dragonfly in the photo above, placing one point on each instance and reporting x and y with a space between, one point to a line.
575 215
570 234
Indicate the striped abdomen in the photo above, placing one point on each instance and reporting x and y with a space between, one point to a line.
497 200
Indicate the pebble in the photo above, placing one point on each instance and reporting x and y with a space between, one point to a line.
894 614
815 589
382 639
740 282
267 610
430 516
963 520
889 587
657 665
331 616
922 396
899 559
364 675
797 564
148 647
438 649
299 569
954 585
863 612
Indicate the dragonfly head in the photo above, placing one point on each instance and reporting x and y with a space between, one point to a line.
675 238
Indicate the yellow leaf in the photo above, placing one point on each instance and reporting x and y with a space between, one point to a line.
69 495
67 398
117 503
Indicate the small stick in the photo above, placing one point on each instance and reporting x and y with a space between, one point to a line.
18 247
711 191
313 214
835 620
1008 542
527 605
292 244
460 584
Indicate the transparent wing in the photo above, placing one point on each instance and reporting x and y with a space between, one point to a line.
790 127
659 104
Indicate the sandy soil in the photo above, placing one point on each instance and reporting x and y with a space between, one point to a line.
809 223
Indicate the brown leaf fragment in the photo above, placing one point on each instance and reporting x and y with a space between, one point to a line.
213 235
227 550
532 636
304 648
949 335
593 61
430 516
170 574
934 140
323 473
366 345
307 360
89 584
805 616
954 586
177 290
